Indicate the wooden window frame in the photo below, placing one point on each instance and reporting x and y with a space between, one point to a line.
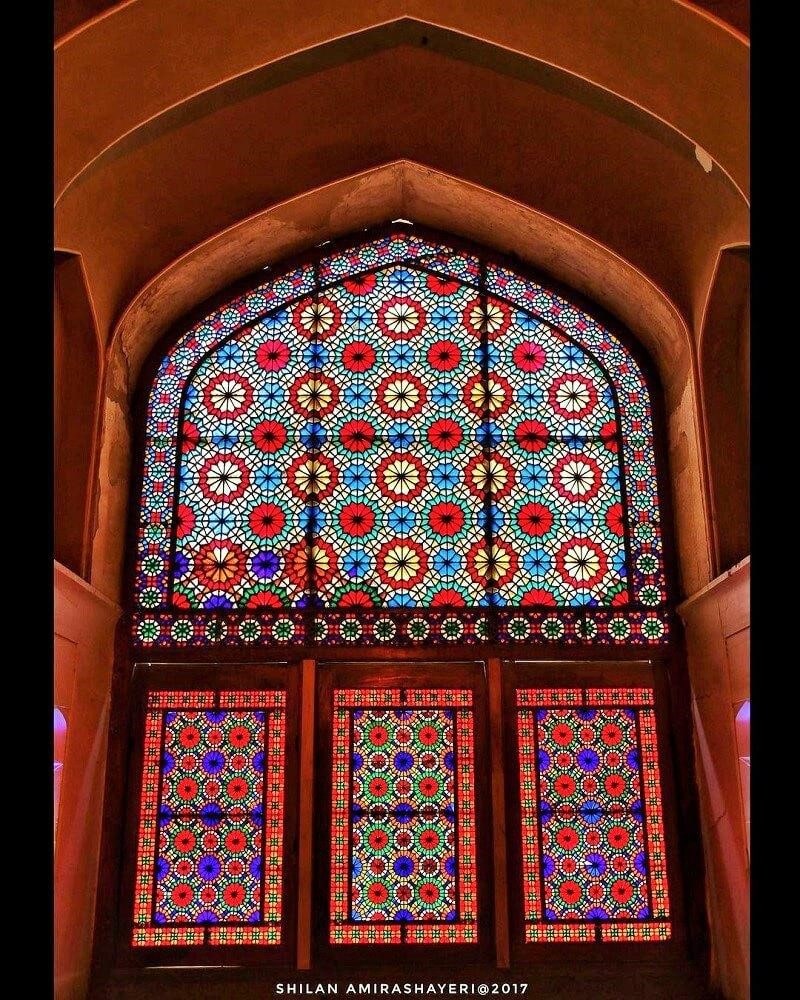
470 675
606 674
307 768
205 677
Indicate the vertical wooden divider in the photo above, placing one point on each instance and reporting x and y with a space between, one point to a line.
498 813
306 801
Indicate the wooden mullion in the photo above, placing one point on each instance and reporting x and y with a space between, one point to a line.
306 802
501 929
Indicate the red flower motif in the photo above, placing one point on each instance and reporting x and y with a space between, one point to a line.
267 520
611 734
618 837
448 598
377 893
567 838
224 477
182 895
239 736
573 395
535 519
314 395
493 319
357 435
378 736
361 284
614 785
184 520
185 841
272 355
581 562
440 285
318 561
401 395
378 840
401 317
357 599
264 599
190 436
401 477
577 477
378 787
608 435
429 839
228 395
494 395
312 474
401 563
234 894
622 890
356 519
444 355
237 789
495 474
445 435
429 892
570 892
358 356
269 436
615 519
529 356
562 734
220 565
187 788
532 435
446 519
564 785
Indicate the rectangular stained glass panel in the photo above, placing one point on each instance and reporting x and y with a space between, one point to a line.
403 862
593 856
210 851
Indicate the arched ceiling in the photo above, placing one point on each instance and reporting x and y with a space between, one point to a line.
72 14
179 119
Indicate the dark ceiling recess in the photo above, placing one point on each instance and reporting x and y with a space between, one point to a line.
733 12
70 14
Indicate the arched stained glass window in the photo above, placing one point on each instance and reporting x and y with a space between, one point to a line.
399 442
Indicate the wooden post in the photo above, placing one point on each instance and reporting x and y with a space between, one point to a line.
304 860
498 813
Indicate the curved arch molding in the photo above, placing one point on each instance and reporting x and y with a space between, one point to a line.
626 49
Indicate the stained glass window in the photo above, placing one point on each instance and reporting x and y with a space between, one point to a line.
403 864
209 865
399 442
594 863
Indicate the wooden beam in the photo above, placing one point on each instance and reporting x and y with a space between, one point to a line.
498 813
304 859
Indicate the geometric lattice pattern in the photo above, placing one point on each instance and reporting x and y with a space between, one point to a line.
594 862
210 849
399 443
403 865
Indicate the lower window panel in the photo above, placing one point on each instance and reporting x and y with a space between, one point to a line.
403 866
593 854
210 845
